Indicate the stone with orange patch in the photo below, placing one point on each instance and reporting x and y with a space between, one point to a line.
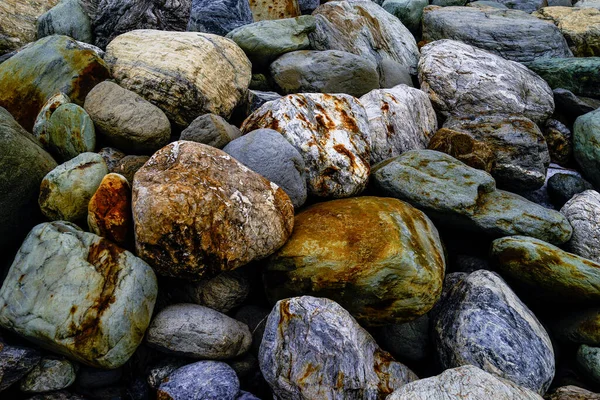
109 210
274 9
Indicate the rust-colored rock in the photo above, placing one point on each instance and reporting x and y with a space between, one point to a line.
274 9
109 210
464 148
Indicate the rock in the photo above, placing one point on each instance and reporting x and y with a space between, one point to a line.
207 380
162 67
573 393
580 326
308 6
573 106
408 341
409 12
400 119
580 26
125 120
586 136
212 130
163 369
66 190
562 187
50 65
274 9
328 71
18 22
129 165
487 84
511 34
50 374
480 321
530 6
15 363
558 138
70 132
40 127
379 258
246 396
257 98
195 331
116 17
475 153
23 165
486 4
329 131
109 209
199 212
365 29
313 348
587 3
268 153
264 41
580 75
219 17
95 298
467 382
66 18
583 213
111 157
588 359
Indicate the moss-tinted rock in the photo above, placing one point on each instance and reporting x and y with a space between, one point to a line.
586 145
463 147
71 132
66 18
580 75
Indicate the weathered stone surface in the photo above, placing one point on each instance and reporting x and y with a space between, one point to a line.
65 192
340 360
257 98
408 341
511 34
125 120
165 366
207 380
212 130
219 17
588 359
50 65
274 9
70 132
559 140
268 153
163 68
40 127
198 212
195 331
573 393
475 153
66 18
530 6
563 186
580 75
129 165
587 3
15 363
49 375
328 71
111 157
366 29
580 26
583 213
581 326
586 145
379 258
95 299
400 119
480 321
487 4
461 79
109 209
18 22
571 106
331 134
409 12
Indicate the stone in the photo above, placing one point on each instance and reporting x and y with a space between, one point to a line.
462 146
274 9
579 26
163 68
49 375
328 71
70 132
511 34
486 4
207 380
480 321
125 120
23 165
94 298
40 127
308 6
562 187
486 84
198 212
111 157
587 3
18 22
256 318
66 18
257 98
400 119
580 75
559 140
109 209
467 382
164 368
212 130
129 165
583 213
408 341
314 349
572 393
379 258
195 331
409 12
15 363
588 359
219 17
530 6
246 396
50 65
586 148
329 131
579 326
65 192
268 153
365 29
572 106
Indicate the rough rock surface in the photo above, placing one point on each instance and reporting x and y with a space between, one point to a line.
463 147
109 209
15 363
129 165
580 75
40 127
219 17
49 375
206 380
274 9
70 132
560 142
409 12
586 136
212 130
18 22
572 393
588 359
563 186
583 213
66 18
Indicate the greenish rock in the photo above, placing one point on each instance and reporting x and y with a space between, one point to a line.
23 165
50 374
379 258
71 132
79 295
66 18
586 145
264 41
580 75
544 269
409 12
580 326
50 65
588 360
66 191
40 127
562 187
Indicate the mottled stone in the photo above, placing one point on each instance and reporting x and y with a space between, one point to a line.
109 209
583 213
219 17
18 22
563 186
129 165
70 132
66 18
49 375
408 341
94 298
409 12
111 157
212 130
580 75
559 140
40 127
331 134
586 145
257 98
274 9
314 349
163 68
487 4
163 369
588 359
204 380
462 146
15 363
198 212
587 3
572 393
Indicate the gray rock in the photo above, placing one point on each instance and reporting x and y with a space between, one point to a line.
328 71
563 186
204 380
70 132
66 18
511 34
219 17
482 322
559 3
257 98
50 374
486 4
407 342
588 359
448 3
587 3
195 331
268 153
580 75
573 106
409 12
111 157
246 396
163 369
583 213
211 129
529 6
15 363
560 142
586 136
313 348
308 6
40 127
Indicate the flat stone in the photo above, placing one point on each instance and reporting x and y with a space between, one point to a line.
580 26
18 22
212 130
15 363
219 17
109 209
66 18
586 145
583 213
274 9
70 132
462 146
49 375
206 380
580 75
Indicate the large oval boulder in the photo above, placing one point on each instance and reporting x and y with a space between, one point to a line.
583 212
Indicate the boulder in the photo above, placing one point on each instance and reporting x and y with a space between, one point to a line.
40 127
563 186
15 363
70 132
462 146
109 209
586 145
66 18
572 393
274 9
49 375
409 12
207 380
588 359
579 75
18 22
212 130
560 142
583 213
571 106
219 17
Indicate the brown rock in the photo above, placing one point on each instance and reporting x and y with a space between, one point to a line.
572 393
274 9
129 165
109 210
464 148
17 22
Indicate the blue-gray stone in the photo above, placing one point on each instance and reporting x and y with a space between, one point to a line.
308 6
66 18
246 396
219 16
563 186
409 12
204 380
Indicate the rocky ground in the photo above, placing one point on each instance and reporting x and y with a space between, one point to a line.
244 199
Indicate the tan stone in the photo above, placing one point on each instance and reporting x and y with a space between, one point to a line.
464 148
274 9
17 22
580 26
109 210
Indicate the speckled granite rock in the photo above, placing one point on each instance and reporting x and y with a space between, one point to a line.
219 17
583 212
18 22
109 209
463 147
207 380
49 375
15 363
